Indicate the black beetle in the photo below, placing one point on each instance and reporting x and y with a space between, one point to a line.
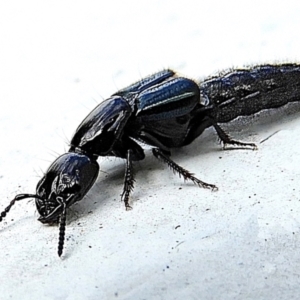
164 111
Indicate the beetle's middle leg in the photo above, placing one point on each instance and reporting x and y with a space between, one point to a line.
128 180
159 154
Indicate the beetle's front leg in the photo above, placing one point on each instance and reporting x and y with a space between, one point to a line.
128 180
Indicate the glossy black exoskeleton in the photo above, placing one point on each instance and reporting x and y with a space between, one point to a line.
164 111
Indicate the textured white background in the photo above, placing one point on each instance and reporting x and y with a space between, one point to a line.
58 59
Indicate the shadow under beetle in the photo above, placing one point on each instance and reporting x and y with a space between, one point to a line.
164 111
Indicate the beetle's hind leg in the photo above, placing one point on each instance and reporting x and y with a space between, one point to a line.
227 140
159 154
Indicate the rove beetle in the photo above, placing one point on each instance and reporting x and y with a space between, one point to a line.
164 111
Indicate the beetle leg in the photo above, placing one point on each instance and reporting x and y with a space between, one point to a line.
227 140
128 180
159 154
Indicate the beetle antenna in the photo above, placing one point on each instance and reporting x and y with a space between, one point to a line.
62 231
12 202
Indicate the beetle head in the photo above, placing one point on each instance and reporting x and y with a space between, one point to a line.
66 181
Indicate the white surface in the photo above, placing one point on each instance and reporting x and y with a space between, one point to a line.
57 61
